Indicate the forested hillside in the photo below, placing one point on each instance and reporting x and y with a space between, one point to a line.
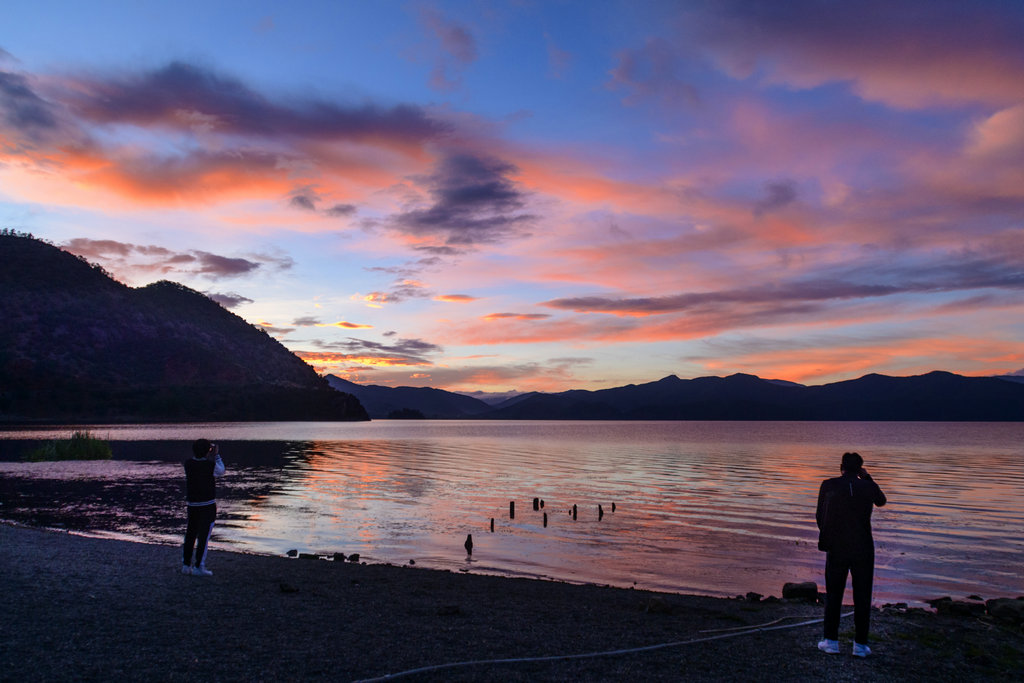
76 344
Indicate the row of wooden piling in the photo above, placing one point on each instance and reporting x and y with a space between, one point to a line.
538 505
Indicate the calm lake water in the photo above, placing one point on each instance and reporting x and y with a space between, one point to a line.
716 508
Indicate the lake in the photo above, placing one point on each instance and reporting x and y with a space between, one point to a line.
715 508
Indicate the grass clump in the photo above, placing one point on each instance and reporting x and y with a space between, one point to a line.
81 446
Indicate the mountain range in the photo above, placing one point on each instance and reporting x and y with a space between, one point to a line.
935 396
77 345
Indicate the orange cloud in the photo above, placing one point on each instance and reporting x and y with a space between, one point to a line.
456 298
345 325
324 361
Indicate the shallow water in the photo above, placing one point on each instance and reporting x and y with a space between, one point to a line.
718 508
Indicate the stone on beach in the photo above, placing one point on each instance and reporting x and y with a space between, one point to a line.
958 608
1009 610
806 590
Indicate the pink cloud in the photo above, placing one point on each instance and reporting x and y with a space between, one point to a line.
908 54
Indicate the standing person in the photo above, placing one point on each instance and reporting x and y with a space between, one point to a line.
201 472
844 511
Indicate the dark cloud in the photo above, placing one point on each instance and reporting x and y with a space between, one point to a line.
307 321
22 109
777 195
440 250
303 201
803 295
867 44
183 95
341 210
123 256
399 292
410 351
402 271
474 201
98 249
653 72
224 266
229 299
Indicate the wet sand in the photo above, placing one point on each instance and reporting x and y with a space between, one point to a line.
79 608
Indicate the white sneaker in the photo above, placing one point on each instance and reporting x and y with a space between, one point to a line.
861 650
829 646
185 569
201 571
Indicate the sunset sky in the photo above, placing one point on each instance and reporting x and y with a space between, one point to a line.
527 195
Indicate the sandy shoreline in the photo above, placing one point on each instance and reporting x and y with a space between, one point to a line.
97 609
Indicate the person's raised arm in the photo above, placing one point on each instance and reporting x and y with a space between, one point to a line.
878 498
218 464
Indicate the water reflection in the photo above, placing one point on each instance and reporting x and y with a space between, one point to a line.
713 508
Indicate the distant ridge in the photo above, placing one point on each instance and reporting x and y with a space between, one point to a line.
381 401
76 345
935 396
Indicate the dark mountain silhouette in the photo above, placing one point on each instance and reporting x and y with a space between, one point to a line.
383 402
936 396
77 345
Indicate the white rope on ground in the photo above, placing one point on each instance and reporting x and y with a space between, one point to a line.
608 653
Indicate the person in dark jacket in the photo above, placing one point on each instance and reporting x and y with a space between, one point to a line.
201 472
844 511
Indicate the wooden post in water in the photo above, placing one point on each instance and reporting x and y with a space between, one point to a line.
600 513
574 512
492 525
511 509
613 507
545 520
536 503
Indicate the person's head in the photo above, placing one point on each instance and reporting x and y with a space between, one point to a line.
201 447
852 462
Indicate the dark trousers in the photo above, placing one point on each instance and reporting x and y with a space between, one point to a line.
197 533
862 571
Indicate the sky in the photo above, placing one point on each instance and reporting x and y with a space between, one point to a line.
520 195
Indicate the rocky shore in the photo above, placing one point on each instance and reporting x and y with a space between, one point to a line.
79 608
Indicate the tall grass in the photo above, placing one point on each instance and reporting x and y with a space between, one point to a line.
81 446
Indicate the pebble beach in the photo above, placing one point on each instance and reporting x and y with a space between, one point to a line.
95 609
